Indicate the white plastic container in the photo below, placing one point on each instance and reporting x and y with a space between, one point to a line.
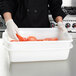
39 50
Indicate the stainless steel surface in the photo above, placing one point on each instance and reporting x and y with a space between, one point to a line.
50 68
69 10
0 34
2 26
69 3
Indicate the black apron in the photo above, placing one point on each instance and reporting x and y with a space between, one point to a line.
32 13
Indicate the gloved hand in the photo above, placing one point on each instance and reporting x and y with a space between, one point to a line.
12 29
62 27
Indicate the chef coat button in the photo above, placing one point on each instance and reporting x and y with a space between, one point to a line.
35 11
28 10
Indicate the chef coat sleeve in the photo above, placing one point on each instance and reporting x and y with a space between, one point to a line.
7 6
55 8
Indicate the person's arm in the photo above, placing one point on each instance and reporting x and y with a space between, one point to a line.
56 11
7 8
12 28
7 16
59 19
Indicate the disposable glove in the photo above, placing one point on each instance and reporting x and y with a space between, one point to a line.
12 29
62 27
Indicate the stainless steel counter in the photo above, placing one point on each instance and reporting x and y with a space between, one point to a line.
50 68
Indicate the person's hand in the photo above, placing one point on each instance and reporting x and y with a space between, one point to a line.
62 27
12 29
